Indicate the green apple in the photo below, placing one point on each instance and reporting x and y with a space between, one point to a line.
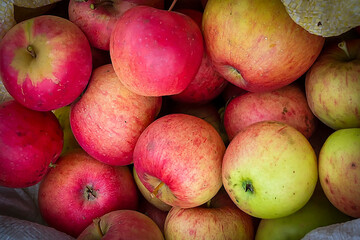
269 170
318 212
70 143
339 162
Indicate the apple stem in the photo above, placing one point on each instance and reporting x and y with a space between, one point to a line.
101 3
31 50
98 227
156 189
342 46
208 203
172 5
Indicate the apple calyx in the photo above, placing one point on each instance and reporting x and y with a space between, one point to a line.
342 46
96 221
247 186
31 50
156 190
90 193
93 6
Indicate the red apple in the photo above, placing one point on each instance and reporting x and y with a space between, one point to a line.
219 219
122 225
45 62
178 159
29 142
156 52
287 104
333 85
97 18
231 91
256 45
81 188
109 118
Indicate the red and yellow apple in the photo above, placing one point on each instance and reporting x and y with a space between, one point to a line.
256 45
108 119
45 62
178 159
156 52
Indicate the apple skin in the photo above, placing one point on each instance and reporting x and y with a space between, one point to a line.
339 175
269 170
219 219
98 23
90 187
287 104
333 86
147 195
318 212
156 52
256 45
29 142
178 159
108 119
122 225
58 73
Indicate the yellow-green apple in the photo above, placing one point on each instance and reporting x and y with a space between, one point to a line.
318 212
339 174
218 219
156 52
122 225
156 214
148 196
108 119
45 62
208 83
80 188
333 85
63 115
178 159
97 18
269 170
256 45
30 141
287 104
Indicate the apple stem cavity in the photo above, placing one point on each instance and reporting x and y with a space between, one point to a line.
31 50
172 5
98 227
156 189
342 46
101 3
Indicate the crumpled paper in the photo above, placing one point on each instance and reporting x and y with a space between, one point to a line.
324 18
7 19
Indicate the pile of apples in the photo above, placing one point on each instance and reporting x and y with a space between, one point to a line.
200 120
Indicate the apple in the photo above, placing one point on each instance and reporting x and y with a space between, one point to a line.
218 219
256 45
269 170
63 116
148 196
339 174
208 83
156 52
156 214
231 91
45 62
333 85
97 18
30 141
100 57
122 224
318 212
108 119
178 159
287 104
80 188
